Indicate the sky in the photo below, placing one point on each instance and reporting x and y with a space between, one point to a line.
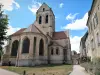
69 14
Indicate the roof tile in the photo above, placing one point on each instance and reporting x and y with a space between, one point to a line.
59 35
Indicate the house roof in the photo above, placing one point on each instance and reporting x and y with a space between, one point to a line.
83 39
90 11
59 35
18 32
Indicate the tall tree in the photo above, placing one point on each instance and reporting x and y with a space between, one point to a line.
3 27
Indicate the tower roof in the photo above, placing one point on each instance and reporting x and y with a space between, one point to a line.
47 8
44 5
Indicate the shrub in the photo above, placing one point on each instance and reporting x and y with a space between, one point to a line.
85 59
93 67
96 67
88 66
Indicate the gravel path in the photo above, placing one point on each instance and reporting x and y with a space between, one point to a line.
78 70
6 72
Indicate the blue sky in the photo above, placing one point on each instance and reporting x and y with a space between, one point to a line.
70 14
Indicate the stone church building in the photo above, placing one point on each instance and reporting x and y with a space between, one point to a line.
39 43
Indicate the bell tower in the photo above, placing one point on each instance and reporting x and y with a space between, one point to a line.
46 19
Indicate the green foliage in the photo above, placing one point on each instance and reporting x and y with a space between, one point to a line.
3 26
96 63
88 66
85 59
1 53
42 70
93 67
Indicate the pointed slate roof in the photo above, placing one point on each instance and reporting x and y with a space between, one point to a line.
44 5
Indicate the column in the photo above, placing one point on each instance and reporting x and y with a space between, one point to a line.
19 52
10 47
20 48
37 48
54 50
31 48
45 48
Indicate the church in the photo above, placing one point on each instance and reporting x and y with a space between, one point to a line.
39 44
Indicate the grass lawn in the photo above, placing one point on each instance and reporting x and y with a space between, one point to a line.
41 70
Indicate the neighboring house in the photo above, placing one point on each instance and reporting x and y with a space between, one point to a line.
74 52
88 47
82 46
39 43
93 24
75 57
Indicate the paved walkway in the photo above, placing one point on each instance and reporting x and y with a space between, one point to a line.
5 72
78 70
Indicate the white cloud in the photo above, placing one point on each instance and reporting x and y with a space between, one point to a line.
71 17
8 4
61 5
10 31
75 43
17 5
78 24
56 17
35 6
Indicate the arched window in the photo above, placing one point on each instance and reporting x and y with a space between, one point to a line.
40 20
34 48
41 48
14 48
65 54
46 19
52 51
57 51
43 9
25 45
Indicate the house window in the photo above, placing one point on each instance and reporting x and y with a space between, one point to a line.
57 51
14 48
46 19
95 20
41 47
92 44
98 41
43 9
40 20
25 45
91 25
94 23
52 51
